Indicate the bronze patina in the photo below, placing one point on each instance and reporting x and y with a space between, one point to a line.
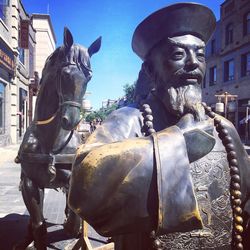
166 173
50 142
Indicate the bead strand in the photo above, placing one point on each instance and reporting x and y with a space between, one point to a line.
148 127
235 186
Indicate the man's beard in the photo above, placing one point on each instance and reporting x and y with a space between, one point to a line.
186 99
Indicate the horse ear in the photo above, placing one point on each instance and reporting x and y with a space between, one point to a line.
95 46
67 38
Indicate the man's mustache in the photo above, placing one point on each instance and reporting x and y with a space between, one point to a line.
183 74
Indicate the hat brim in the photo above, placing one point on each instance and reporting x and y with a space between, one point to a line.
173 20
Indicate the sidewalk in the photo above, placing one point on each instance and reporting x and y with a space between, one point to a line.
14 215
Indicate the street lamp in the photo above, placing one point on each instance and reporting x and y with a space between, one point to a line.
246 124
225 106
246 121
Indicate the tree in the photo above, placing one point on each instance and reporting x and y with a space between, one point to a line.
129 90
100 114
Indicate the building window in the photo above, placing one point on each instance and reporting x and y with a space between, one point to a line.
213 47
21 55
2 97
229 33
229 70
212 76
246 24
245 64
3 9
21 50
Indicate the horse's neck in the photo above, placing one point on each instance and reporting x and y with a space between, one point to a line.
46 109
47 102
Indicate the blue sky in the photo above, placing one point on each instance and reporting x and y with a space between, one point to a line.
115 64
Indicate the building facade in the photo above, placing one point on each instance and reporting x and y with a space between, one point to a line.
23 35
46 39
16 35
20 66
7 76
228 61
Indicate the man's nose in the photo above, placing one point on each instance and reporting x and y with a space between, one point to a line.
192 61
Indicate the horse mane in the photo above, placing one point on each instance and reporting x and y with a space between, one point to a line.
75 54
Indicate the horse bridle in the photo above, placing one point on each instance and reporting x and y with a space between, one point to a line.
86 70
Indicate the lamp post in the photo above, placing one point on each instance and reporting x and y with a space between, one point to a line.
246 124
226 98
247 121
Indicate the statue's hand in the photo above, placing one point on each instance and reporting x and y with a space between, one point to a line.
198 136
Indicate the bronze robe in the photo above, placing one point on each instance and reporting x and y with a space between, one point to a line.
134 185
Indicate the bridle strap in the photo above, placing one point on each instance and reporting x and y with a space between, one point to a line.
61 101
71 103
49 120
57 151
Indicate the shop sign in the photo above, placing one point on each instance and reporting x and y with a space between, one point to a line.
6 57
24 34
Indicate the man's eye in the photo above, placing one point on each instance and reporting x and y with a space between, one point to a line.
200 56
177 55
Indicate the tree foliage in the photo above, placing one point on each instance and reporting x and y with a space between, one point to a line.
100 114
129 90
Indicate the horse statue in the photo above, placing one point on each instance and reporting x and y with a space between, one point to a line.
50 142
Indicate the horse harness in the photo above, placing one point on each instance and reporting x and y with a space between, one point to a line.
55 157
60 94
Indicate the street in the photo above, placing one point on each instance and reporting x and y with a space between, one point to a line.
14 215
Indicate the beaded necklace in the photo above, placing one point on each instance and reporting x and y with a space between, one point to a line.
235 182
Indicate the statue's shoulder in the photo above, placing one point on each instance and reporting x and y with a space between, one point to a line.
121 124
125 114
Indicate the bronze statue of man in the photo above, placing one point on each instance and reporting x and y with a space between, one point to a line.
185 185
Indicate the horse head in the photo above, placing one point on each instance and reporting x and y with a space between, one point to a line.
73 76
64 81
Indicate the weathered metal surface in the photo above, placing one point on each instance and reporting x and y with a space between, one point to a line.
168 187
46 152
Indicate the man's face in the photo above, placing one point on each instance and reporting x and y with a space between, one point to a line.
178 65
180 61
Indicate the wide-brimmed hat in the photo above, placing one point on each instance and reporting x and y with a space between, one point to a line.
173 20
